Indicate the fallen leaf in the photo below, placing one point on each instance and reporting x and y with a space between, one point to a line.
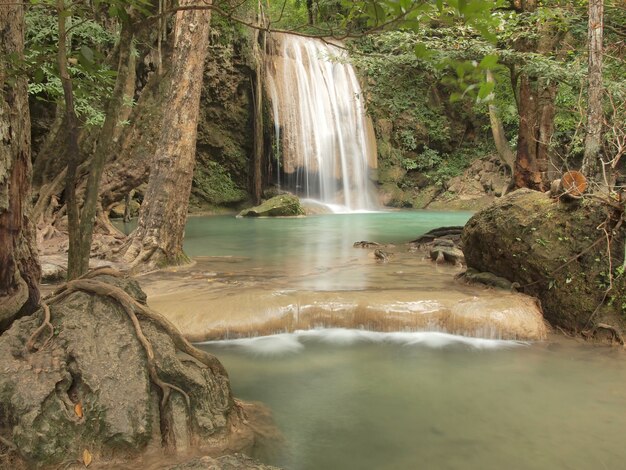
87 458
78 409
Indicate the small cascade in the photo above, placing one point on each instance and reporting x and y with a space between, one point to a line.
324 142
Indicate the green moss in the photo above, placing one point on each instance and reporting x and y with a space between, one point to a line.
213 185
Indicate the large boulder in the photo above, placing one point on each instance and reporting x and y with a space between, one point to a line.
89 387
283 205
557 252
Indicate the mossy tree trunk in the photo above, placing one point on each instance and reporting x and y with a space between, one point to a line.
19 267
592 166
158 239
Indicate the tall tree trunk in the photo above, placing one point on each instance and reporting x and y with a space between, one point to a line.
158 239
536 105
497 129
257 165
71 148
19 267
114 111
591 167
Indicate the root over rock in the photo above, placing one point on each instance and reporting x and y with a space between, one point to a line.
99 372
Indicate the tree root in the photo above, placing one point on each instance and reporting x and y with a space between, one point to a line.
30 345
132 307
616 334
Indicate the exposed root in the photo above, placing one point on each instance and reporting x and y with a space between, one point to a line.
8 444
615 333
30 345
132 307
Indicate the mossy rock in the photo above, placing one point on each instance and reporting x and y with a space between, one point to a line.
284 205
89 387
556 252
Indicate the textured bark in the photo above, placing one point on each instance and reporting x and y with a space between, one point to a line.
158 239
536 105
19 268
536 127
593 138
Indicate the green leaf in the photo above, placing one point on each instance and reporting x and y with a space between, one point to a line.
86 53
489 62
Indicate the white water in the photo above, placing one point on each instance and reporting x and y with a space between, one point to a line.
324 140
290 343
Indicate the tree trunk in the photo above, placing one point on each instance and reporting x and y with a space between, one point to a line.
71 148
499 137
137 145
19 267
257 52
158 239
593 138
536 105
114 111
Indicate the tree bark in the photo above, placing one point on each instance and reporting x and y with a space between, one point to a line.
19 267
536 105
591 167
158 239
257 165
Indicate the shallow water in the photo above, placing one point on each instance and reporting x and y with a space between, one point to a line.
262 276
358 400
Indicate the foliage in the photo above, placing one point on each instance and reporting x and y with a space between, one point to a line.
93 77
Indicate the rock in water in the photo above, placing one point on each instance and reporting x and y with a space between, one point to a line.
284 205
556 252
89 388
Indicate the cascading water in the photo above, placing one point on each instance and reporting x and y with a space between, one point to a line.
324 141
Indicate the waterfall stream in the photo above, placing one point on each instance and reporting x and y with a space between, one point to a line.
324 141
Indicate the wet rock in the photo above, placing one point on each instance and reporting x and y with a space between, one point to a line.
452 233
556 252
52 272
445 254
227 462
487 279
381 256
284 205
366 244
514 316
89 387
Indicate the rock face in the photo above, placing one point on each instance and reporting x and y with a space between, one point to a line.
556 252
284 205
89 388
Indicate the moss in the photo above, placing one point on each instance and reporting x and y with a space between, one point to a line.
285 205
213 185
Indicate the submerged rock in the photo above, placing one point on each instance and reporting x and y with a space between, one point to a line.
89 388
284 205
557 252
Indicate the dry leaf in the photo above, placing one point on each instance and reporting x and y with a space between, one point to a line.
78 409
87 458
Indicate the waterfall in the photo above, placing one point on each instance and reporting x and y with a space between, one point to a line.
324 141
